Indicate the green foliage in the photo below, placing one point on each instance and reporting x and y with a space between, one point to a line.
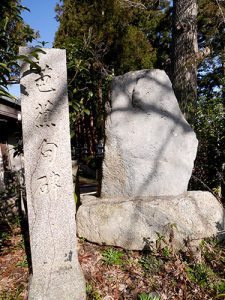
145 296
204 276
103 38
156 23
166 252
85 84
107 38
112 256
220 296
220 287
209 126
209 112
13 295
110 28
13 33
23 263
18 148
151 264
132 57
96 295
93 294
160 241
211 34
200 273
75 197
4 236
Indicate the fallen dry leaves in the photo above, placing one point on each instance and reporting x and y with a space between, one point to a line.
14 271
105 281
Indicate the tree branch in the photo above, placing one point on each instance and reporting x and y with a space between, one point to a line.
133 4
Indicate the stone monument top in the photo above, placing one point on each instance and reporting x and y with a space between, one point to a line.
150 148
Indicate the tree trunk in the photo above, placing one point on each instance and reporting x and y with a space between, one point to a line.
222 146
185 47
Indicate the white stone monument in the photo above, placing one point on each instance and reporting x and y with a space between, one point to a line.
150 148
149 156
56 273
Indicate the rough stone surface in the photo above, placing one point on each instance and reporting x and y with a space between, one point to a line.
150 148
48 174
133 223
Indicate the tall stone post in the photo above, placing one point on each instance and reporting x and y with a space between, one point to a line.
56 274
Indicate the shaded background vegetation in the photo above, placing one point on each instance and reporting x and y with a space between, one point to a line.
107 38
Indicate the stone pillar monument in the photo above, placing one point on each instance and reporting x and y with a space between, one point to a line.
48 173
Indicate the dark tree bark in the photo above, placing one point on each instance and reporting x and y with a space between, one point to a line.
185 48
222 150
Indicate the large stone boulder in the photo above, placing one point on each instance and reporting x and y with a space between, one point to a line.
134 223
150 148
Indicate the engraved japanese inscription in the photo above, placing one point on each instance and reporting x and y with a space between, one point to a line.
48 175
44 112
44 82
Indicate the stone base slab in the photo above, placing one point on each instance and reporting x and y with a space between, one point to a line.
135 223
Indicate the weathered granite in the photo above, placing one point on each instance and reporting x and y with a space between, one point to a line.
150 148
134 223
51 209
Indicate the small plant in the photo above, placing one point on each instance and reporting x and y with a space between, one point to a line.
150 263
144 296
23 263
200 274
166 252
94 294
17 220
112 257
161 239
21 244
89 288
213 252
220 289
4 236
221 286
12 294
81 239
